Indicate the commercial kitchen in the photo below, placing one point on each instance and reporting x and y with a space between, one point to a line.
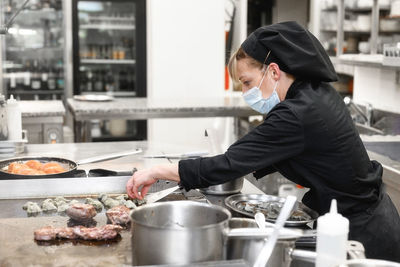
109 91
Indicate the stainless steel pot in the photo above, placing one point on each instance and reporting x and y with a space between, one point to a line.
249 248
182 232
178 232
228 188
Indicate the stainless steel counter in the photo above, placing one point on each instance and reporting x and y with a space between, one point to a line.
42 108
16 233
144 108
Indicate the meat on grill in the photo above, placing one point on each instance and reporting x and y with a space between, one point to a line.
119 215
105 232
46 233
81 212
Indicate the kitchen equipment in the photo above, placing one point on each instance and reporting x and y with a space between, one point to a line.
239 202
369 263
228 188
160 194
268 247
185 232
67 164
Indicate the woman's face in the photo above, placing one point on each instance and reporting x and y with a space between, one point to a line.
250 76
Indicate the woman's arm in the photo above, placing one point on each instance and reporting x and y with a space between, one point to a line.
141 181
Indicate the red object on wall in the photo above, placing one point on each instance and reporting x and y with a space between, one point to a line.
226 79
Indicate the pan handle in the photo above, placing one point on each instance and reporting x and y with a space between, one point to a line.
109 156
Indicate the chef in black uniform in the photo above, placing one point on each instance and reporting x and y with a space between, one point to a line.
307 135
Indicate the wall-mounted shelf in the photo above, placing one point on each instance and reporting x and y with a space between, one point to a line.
108 61
36 92
107 27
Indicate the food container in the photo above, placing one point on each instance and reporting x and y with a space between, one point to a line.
389 25
228 188
363 22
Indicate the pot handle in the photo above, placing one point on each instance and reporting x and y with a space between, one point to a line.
259 233
303 255
355 250
109 156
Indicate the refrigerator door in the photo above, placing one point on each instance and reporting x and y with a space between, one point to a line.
109 48
33 50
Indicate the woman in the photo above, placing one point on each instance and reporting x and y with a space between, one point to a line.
308 136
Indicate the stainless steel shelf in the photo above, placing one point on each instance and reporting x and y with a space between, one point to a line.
108 61
107 27
114 93
36 92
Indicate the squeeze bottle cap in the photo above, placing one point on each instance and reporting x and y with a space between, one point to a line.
333 223
12 100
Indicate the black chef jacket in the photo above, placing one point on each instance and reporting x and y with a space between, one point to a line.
309 138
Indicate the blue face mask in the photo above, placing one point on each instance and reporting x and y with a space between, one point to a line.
254 99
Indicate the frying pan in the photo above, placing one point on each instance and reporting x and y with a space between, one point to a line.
67 164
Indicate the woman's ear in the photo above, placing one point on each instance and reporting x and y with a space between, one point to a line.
275 71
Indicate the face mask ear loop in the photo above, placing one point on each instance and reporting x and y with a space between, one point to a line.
265 72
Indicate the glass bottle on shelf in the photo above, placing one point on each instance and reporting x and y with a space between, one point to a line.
109 82
98 84
27 76
51 82
36 81
89 81
60 75
44 75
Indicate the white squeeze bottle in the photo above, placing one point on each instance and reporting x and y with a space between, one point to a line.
332 233
14 119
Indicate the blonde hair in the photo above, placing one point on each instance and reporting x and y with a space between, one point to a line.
235 57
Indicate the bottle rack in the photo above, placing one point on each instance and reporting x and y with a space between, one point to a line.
33 51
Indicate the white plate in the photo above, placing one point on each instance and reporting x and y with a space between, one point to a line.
94 98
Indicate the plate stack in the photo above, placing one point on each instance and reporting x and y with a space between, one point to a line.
12 148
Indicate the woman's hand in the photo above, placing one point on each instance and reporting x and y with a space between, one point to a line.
142 180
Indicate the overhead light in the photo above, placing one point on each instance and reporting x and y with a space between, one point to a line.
90 6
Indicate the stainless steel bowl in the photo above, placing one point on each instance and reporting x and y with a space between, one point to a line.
228 188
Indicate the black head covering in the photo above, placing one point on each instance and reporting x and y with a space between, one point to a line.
293 48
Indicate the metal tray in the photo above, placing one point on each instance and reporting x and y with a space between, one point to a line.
94 98
238 201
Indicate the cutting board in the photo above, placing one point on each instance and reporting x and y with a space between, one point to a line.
18 248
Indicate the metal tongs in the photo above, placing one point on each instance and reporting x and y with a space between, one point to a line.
268 247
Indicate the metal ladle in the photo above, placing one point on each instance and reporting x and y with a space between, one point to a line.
268 247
